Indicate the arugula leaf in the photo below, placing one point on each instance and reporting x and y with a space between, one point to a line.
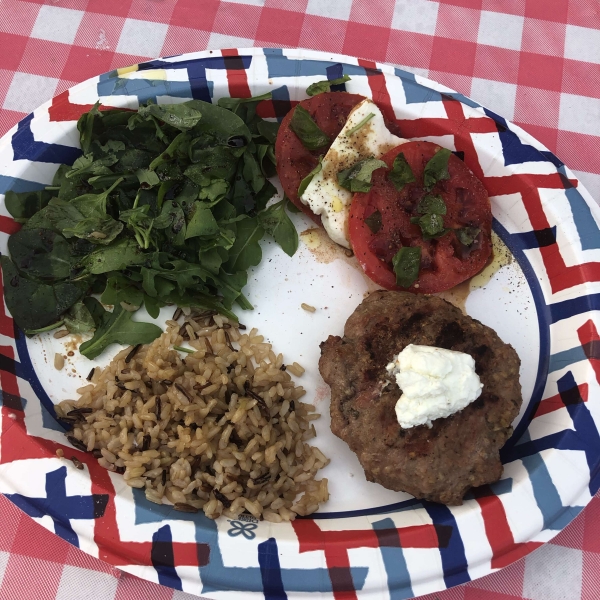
373 221
33 304
78 319
309 133
246 251
41 253
122 289
437 168
467 235
406 263
275 220
24 205
306 181
252 173
117 327
401 173
357 178
324 86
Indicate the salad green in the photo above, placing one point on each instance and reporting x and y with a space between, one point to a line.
166 205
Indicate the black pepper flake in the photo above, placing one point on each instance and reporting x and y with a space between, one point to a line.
91 374
226 502
132 353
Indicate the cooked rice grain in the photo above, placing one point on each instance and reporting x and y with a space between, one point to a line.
222 430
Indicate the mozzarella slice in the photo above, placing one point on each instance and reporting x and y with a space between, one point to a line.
324 195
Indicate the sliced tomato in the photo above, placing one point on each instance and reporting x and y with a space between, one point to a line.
445 261
294 162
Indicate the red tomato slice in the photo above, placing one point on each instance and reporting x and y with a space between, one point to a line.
445 261
330 111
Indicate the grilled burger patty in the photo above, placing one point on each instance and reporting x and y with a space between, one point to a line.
459 452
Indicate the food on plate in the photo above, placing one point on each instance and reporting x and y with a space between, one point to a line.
326 113
166 205
425 225
438 463
413 213
216 426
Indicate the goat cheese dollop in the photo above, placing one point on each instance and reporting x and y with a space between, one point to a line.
435 383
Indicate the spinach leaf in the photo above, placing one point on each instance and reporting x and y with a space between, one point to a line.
401 173
94 205
33 304
58 215
268 129
122 289
252 173
41 253
202 223
467 235
181 116
373 221
275 220
309 133
246 251
98 230
437 168
117 327
357 178
24 205
183 273
406 263
147 178
85 125
138 221
234 104
324 86
115 257
306 181
78 319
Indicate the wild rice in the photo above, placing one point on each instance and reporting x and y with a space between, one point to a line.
223 431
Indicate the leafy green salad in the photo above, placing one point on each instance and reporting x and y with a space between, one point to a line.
166 206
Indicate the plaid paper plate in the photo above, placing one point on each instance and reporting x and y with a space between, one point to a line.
366 541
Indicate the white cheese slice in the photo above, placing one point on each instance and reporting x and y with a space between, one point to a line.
324 195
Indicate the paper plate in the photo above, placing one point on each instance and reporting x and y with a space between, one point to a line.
367 542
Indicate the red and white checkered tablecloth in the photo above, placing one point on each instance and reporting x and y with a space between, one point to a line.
535 62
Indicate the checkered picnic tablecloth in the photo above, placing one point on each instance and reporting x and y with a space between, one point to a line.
535 62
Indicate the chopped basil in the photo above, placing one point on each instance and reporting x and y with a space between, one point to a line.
324 86
359 125
431 225
401 173
432 205
306 181
466 235
373 221
406 265
358 177
309 133
437 168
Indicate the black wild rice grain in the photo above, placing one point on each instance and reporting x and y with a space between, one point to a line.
77 462
91 374
183 507
183 391
164 477
282 368
146 443
158 407
75 442
262 479
177 314
120 470
226 502
133 352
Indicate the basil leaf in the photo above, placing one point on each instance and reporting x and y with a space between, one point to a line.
309 133
431 225
401 173
324 86
406 263
117 327
306 181
275 220
432 205
467 235
437 168
358 177
373 221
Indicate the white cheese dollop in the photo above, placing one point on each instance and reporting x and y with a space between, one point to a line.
435 384
324 195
